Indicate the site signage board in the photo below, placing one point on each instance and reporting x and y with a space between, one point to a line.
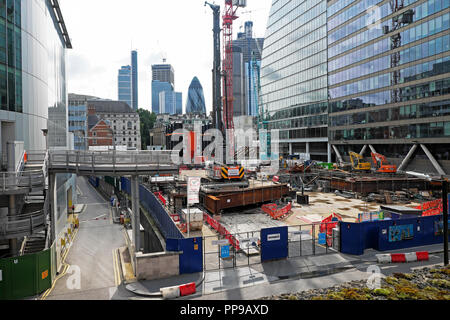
193 190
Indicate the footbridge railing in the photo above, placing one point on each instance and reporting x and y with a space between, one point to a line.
115 162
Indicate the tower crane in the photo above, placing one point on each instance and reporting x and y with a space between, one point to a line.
231 8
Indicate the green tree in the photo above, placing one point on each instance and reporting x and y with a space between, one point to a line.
148 120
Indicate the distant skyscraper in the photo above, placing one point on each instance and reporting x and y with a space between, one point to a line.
170 102
252 73
163 73
240 102
125 85
134 80
246 49
179 102
157 88
196 99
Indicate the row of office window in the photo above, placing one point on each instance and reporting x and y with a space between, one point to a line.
302 71
414 111
420 91
311 121
424 50
11 56
351 12
299 17
338 6
408 35
417 72
300 48
300 111
304 133
312 96
376 30
413 131
297 90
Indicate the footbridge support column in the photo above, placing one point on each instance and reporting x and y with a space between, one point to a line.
135 207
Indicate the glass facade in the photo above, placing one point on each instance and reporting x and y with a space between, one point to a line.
389 77
170 102
294 75
134 80
157 88
125 85
33 92
196 100
77 125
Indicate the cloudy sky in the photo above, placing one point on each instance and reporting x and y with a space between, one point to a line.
104 32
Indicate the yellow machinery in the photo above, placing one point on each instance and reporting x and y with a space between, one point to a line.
357 163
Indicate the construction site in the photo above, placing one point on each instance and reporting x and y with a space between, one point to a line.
235 213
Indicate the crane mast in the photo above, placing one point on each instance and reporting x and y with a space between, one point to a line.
231 7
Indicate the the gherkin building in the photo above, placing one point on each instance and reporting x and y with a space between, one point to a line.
196 99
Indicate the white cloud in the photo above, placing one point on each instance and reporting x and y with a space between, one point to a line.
103 33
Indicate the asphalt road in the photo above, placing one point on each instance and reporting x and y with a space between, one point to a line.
91 274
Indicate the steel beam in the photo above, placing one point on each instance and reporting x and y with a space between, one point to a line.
430 156
337 154
405 161
363 150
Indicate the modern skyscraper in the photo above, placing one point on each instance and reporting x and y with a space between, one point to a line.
196 100
381 76
33 116
239 82
250 46
163 73
389 78
170 102
247 49
294 76
125 84
157 88
134 80
252 76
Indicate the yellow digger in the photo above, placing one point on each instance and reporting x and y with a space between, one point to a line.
357 162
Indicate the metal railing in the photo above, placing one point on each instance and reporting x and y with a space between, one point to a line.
24 224
14 181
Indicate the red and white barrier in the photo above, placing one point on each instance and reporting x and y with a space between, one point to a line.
179 291
403 257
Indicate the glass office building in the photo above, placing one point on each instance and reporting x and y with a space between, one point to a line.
170 102
389 78
294 76
157 88
33 94
134 80
196 100
125 85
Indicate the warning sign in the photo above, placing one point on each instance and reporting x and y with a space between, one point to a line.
44 274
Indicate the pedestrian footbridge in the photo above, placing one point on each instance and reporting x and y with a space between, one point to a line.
111 163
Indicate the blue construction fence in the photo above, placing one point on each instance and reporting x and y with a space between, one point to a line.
396 233
159 214
191 257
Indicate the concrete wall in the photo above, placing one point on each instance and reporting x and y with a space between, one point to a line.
159 265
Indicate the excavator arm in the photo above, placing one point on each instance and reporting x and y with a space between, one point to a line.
380 163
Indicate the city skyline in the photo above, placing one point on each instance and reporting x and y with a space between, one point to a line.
92 61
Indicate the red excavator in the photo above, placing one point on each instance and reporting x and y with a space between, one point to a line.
380 163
